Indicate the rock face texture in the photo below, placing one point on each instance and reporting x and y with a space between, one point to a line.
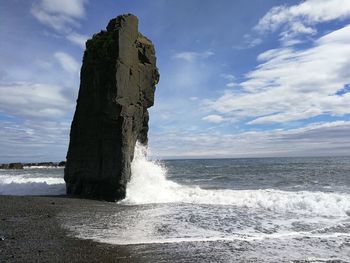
14 166
117 85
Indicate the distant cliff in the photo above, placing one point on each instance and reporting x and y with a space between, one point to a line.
17 166
118 79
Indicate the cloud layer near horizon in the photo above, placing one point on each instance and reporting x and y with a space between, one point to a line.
318 139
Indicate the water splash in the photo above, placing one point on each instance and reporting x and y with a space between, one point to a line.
149 185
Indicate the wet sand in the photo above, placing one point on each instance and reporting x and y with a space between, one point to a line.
30 231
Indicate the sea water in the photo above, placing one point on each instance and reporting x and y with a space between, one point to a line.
217 210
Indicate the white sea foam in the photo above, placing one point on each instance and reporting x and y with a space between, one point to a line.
26 185
233 237
41 167
149 185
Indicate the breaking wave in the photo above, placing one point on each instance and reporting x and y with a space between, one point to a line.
25 185
149 185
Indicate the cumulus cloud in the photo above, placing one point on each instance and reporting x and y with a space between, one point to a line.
301 19
291 84
67 62
193 56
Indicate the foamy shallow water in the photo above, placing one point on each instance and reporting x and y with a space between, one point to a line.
32 181
207 233
256 210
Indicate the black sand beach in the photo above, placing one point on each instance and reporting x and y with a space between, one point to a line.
30 231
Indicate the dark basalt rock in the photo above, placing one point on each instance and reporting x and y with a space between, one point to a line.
48 164
15 166
118 79
23 165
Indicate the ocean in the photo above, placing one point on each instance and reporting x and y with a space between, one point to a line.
215 210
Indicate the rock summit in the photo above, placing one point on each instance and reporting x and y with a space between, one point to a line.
117 85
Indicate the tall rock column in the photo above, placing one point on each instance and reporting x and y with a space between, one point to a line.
117 85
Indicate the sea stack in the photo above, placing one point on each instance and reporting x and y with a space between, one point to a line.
117 85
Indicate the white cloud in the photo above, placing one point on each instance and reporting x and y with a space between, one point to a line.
231 84
290 37
213 118
34 100
67 62
72 8
254 42
58 22
62 16
310 12
300 19
59 14
291 84
313 140
231 79
77 39
192 56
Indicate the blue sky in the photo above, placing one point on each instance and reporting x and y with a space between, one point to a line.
238 78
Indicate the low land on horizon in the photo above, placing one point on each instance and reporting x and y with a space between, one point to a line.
62 163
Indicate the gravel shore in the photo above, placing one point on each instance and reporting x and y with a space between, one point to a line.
30 231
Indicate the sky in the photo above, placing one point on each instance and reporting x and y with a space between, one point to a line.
243 78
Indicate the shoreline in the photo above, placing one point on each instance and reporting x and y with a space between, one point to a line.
30 231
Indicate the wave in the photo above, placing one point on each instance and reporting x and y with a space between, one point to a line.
42 167
149 185
232 237
21 185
